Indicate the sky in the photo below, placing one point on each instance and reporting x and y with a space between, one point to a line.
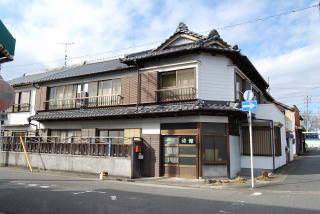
281 38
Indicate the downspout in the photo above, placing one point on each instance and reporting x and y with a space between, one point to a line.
138 87
273 148
37 130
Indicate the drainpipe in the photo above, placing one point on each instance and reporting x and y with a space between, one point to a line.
138 87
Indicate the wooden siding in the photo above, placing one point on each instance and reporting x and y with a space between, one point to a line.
151 149
149 85
129 87
215 80
41 96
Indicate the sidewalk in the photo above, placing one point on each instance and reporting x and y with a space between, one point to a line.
279 176
214 183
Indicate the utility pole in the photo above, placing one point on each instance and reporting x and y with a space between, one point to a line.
308 100
65 53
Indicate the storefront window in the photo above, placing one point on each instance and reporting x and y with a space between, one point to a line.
214 148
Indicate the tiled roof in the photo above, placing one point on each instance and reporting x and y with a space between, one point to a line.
123 111
193 46
69 71
182 28
87 68
32 77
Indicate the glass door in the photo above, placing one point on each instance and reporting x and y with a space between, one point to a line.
180 156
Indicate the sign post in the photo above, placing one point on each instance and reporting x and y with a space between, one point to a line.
249 106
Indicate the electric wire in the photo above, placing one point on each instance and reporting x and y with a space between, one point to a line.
153 43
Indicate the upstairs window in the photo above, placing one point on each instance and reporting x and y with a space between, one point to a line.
63 96
178 78
177 85
21 102
103 92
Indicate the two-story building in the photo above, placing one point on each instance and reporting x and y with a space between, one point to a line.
181 102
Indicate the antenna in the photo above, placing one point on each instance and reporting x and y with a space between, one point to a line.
65 53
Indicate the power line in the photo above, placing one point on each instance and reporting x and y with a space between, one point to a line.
152 43
285 96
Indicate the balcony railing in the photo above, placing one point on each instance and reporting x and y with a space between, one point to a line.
24 107
95 146
175 94
109 100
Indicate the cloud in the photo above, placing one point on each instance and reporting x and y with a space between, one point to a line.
284 48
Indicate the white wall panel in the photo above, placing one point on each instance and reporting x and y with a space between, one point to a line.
215 78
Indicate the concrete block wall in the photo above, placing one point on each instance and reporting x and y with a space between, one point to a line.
115 166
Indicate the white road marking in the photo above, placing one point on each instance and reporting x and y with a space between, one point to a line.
257 193
113 198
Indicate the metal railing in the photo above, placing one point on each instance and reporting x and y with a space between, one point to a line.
175 94
92 146
108 100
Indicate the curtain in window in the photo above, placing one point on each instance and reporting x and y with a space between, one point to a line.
116 86
16 102
25 101
105 89
69 95
214 148
185 78
92 92
59 96
168 79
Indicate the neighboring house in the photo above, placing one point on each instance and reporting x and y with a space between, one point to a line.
24 100
293 114
180 102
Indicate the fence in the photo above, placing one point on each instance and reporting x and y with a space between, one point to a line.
113 146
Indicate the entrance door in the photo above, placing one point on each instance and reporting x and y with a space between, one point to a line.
179 156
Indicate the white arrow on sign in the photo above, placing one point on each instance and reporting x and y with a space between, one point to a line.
251 105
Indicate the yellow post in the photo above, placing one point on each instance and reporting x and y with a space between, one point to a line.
26 153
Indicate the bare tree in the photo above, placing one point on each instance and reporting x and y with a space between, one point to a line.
311 120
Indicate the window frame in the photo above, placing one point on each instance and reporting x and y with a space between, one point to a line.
177 74
215 159
18 105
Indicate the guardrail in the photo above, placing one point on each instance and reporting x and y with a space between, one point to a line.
95 146
175 94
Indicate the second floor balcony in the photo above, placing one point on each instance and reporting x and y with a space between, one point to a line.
83 102
177 94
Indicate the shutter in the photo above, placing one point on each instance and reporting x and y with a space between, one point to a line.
125 90
41 97
261 141
149 85
129 86
144 81
153 86
133 89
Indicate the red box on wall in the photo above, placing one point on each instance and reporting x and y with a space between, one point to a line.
138 148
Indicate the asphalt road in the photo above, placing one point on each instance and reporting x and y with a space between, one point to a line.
33 192
303 178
